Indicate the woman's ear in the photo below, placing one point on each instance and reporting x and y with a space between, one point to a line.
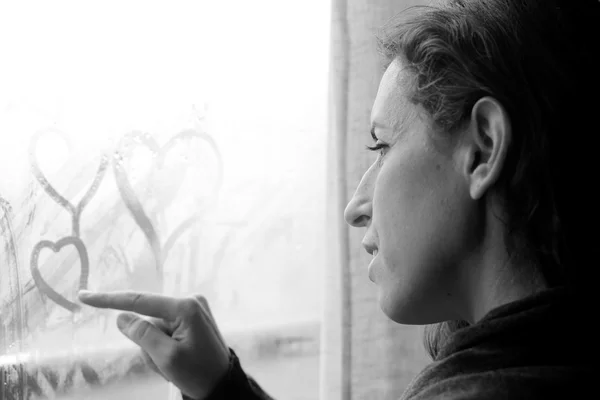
485 145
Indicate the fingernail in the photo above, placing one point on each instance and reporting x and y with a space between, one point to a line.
123 320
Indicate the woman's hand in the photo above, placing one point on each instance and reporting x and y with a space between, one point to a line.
181 342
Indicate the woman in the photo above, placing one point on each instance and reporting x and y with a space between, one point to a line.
474 210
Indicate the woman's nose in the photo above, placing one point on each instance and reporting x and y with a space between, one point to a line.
359 210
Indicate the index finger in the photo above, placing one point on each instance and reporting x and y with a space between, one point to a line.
150 304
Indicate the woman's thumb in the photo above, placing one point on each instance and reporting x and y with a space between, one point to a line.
143 333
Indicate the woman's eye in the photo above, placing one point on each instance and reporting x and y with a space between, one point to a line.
378 147
381 148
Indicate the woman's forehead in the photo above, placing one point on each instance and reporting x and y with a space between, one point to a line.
392 107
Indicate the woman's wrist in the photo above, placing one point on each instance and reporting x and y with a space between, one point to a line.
222 384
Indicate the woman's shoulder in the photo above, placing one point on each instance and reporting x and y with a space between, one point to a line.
526 349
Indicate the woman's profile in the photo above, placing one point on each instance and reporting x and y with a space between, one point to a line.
478 211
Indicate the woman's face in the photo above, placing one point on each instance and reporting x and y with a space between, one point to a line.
415 203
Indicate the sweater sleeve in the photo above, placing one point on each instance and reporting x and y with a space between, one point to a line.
236 384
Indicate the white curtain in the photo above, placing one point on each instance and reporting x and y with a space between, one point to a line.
365 355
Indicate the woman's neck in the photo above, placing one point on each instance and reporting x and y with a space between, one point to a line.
498 283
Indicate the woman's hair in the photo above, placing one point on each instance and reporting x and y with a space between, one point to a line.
537 58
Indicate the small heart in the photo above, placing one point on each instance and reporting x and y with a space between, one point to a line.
43 286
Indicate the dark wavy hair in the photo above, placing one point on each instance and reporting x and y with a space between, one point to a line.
538 59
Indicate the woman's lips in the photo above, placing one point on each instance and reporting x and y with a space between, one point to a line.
370 269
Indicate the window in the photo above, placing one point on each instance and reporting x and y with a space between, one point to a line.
175 148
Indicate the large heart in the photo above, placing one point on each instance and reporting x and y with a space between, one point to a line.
52 192
129 196
43 286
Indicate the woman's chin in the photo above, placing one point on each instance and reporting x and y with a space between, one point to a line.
399 310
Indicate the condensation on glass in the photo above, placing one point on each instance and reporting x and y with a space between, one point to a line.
146 217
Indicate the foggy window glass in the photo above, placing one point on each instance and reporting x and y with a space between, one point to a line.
175 148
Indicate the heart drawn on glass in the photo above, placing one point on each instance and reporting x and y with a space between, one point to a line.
133 203
41 283
52 192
